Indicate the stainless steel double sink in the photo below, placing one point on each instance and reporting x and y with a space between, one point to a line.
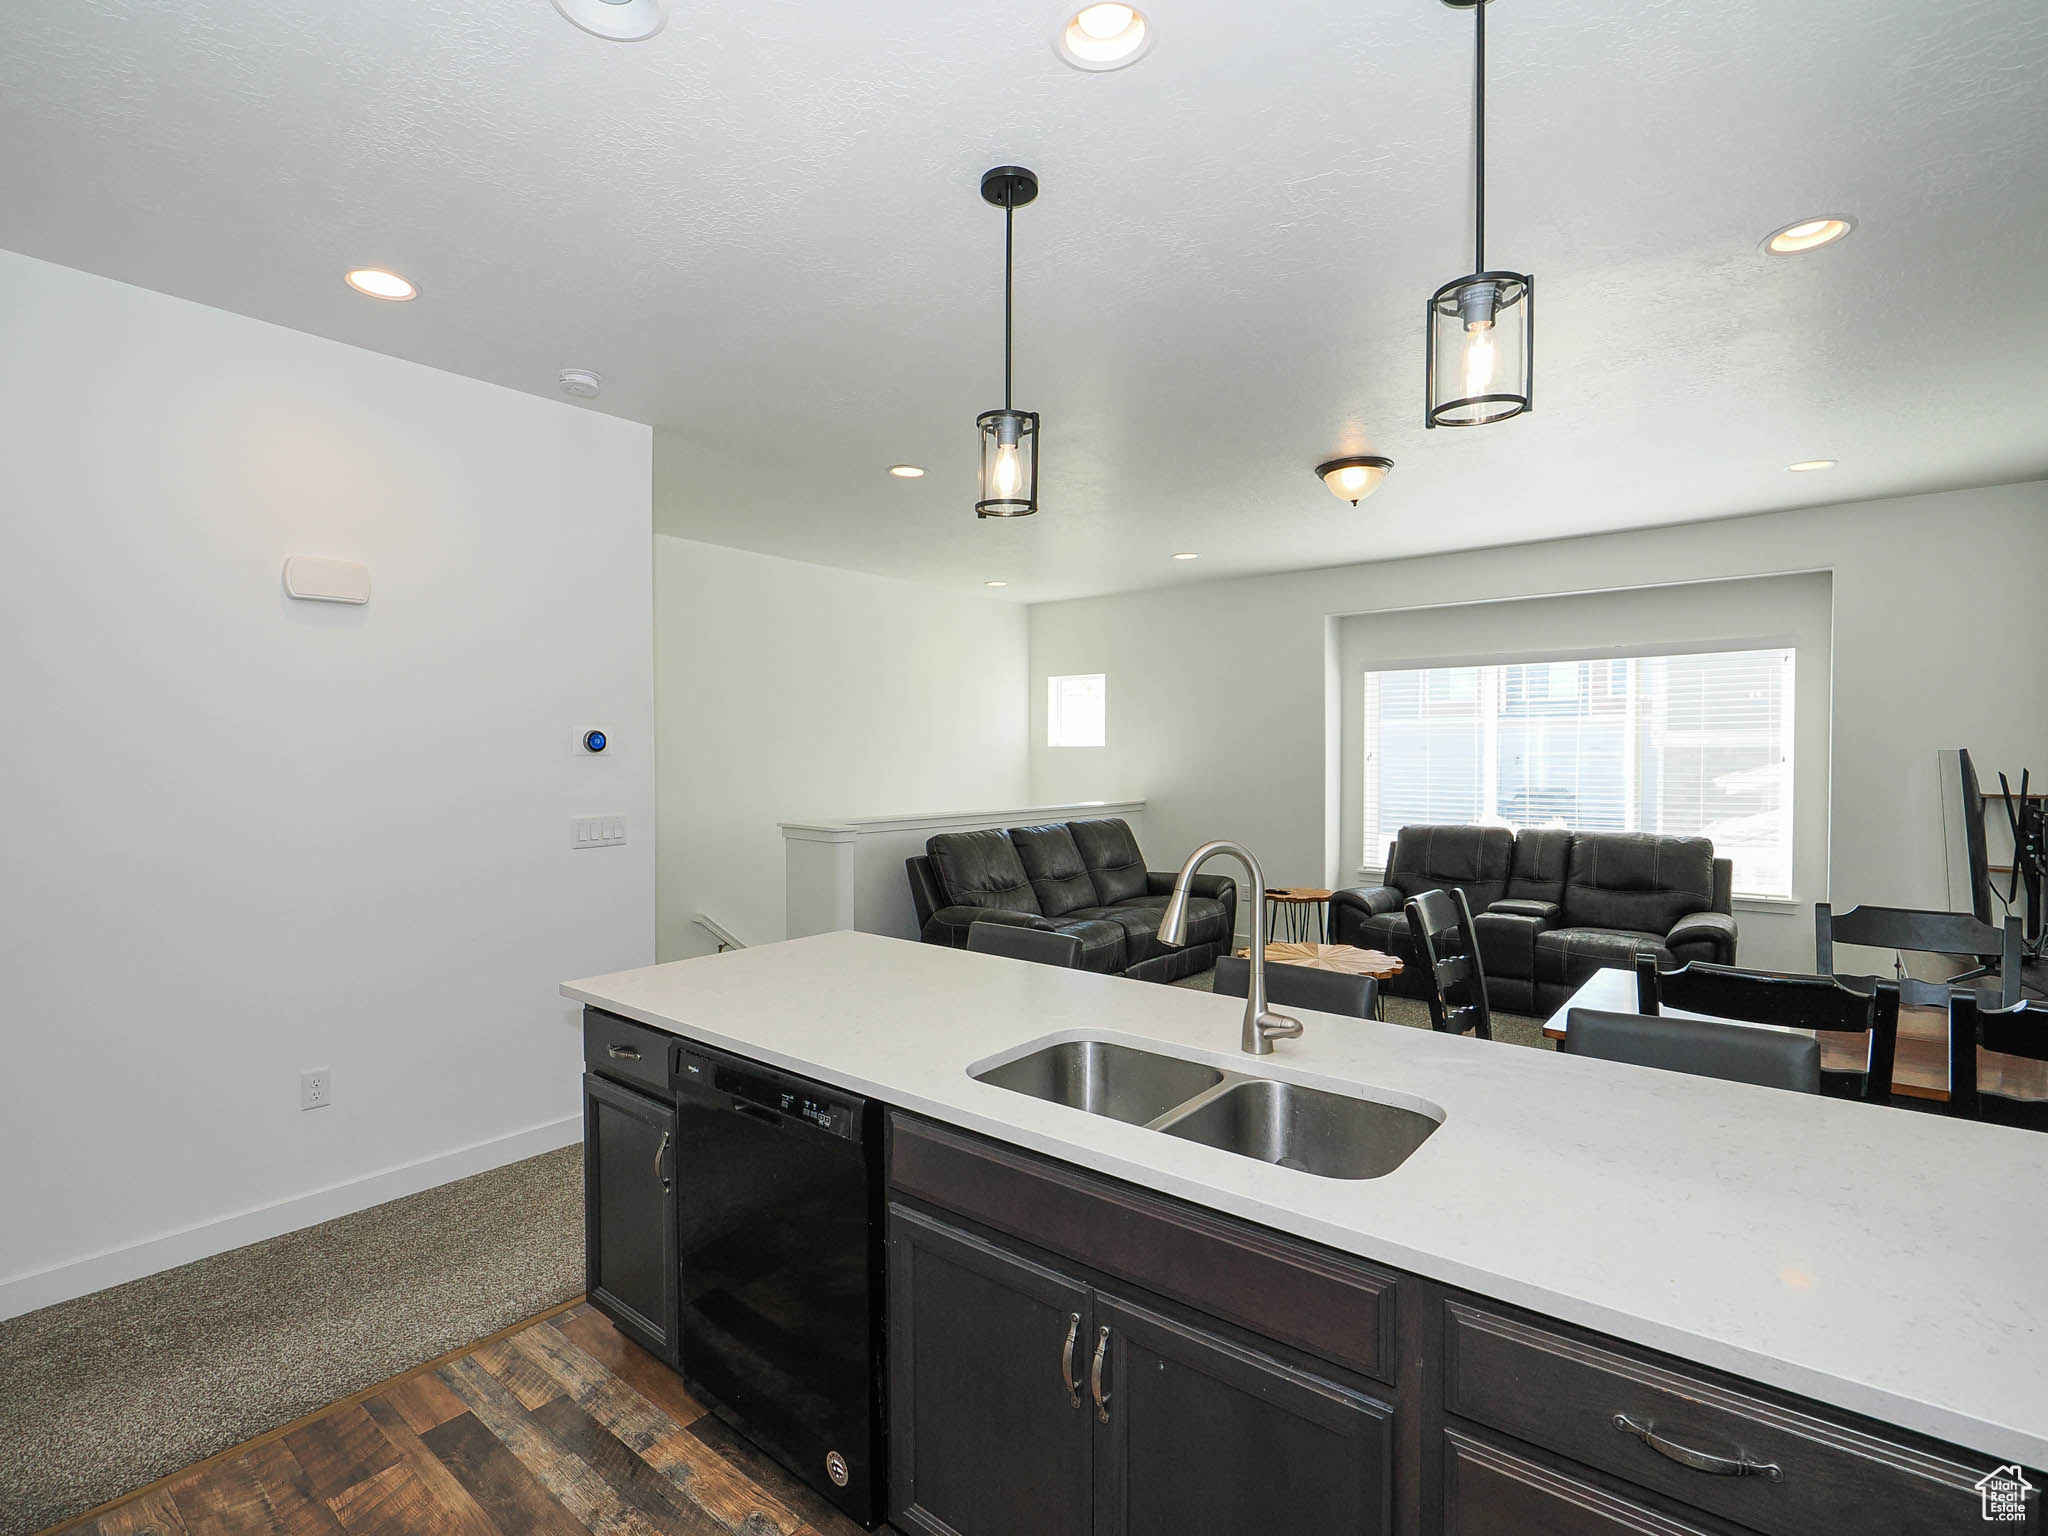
1331 1135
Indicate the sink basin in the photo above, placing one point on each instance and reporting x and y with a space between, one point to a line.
1105 1079
1322 1133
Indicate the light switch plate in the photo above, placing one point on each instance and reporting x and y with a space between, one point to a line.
597 831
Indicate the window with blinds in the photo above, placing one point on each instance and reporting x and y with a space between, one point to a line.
1694 746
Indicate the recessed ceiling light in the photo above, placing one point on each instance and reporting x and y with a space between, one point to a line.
995 583
907 471
580 382
1805 466
1187 554
618 21
1102 36
1807 235
379 284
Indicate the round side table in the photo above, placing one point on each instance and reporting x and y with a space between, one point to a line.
1298 914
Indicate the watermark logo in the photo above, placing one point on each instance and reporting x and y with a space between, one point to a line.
2004 1492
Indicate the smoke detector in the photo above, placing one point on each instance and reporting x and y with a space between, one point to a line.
620 21
580 382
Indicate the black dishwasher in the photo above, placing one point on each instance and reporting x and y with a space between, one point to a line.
778 1204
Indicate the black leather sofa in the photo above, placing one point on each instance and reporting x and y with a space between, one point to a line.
1550 907
1086 878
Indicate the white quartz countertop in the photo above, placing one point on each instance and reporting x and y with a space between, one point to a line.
1890 1263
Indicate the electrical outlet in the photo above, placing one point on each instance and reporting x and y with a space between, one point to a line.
316 1088
597 831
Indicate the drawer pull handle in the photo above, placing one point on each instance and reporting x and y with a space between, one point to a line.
1699 1461
1067 1361
625 1053
1095 1376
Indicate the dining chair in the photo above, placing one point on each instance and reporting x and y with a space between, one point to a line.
1792 1002
2021 1030
1440 924
1040 945
1996 951
1735 1053
1297 986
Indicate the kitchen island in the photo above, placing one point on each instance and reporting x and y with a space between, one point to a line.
1881 1263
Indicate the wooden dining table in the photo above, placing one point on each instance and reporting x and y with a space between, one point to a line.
1919 1068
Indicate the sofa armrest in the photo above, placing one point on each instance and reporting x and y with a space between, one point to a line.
1706 936
1369 901
949 925
1507 940
1159 882
1545 912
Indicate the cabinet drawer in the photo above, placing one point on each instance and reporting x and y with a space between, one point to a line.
1491 1491
626 1052
1598 1407
1320 1302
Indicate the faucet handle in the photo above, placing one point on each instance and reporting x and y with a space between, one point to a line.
1278 1026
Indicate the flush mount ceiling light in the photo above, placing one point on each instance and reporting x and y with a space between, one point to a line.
907 471
1807 466
618 21
1099 37
1481 327
1355 478
379 284
1009 437
1807 235
580 382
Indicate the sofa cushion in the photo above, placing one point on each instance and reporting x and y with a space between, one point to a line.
1565 957
1543 857
1111 854
1102 944
1053 864
981 869
1140 924
1638 882
1472 859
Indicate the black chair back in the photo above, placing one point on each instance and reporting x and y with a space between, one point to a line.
1447 949
1795 1002
1735 1053
2021 1030
1040 945
1940 933
1296 986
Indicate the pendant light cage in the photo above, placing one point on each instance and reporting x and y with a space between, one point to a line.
1009 437
1480 329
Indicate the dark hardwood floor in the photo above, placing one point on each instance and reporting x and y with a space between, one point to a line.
556 1428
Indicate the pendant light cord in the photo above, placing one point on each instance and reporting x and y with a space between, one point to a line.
1479 138
1009 226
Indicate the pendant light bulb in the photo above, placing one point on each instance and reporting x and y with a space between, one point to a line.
1009 470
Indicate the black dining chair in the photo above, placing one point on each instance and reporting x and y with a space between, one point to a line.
1440 924
1735 1053
2021 1030
1996 951
1791 1001
1040 945
1297 986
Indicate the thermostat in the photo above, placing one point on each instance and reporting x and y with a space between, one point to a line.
595 741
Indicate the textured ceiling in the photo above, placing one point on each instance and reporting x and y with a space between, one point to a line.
763 228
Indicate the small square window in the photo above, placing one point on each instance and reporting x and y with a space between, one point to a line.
1076 710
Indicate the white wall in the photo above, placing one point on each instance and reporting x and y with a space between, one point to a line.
1750 614
246 836
795 692
1224 704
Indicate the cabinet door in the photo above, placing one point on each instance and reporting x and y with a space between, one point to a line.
1197 1433
985 1436
629 1213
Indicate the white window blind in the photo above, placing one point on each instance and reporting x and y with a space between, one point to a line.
1076 710
1693 746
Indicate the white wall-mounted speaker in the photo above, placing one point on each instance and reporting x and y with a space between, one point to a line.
320 580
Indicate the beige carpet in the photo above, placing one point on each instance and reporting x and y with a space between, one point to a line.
1514 1028
101 1395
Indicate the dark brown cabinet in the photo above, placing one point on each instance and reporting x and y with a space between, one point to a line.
629 1213
1027 1402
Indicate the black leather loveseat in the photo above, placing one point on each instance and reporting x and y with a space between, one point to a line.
1550 907
1086 878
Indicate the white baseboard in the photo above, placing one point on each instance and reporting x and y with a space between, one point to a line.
97 1271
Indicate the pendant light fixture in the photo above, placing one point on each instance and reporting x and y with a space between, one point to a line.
1482 326
1009 437
1355 478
